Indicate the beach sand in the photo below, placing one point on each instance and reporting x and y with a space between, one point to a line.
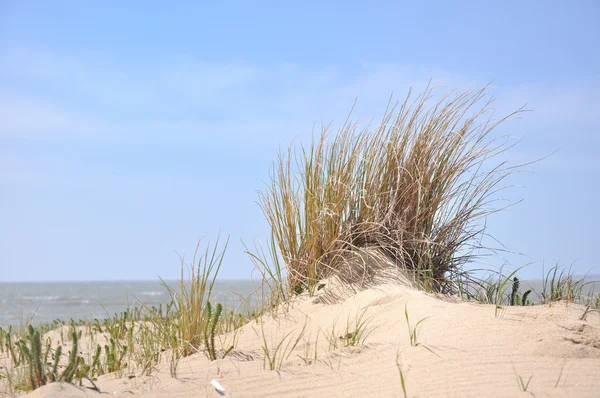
462 349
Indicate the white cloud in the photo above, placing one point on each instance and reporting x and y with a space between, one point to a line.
183 100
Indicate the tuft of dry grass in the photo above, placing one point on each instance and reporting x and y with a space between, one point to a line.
191 301
416 188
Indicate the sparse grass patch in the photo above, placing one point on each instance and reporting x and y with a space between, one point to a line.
515 297
311 350
560 284
354 334
357 330
133 341
277 349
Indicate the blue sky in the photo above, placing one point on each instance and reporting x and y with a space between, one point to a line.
128 131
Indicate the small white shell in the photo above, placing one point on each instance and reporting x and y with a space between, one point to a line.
218 387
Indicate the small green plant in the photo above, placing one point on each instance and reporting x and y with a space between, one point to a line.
277 352
515 291
499 311
32 353
515 298
210 326
94 368
412 333
115 353
210 330
524 385
356 330
8 345
524 300
4 336
57 355
71 369
401 373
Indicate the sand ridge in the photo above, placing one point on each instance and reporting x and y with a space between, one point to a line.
463 349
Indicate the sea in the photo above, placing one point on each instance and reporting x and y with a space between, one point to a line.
41 302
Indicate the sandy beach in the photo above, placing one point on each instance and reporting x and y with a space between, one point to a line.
461 349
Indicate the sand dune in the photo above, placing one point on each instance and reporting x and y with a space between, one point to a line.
463 349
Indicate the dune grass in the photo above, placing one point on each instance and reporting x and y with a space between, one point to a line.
401 374
193 323
413 332
277 349
560 284
355 333
357 330
416 187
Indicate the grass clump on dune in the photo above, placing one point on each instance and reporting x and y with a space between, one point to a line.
414 190
133 342
559 284
192 300
192 322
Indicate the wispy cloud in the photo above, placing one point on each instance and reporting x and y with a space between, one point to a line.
184 99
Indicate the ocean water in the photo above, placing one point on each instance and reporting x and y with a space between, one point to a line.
40 302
